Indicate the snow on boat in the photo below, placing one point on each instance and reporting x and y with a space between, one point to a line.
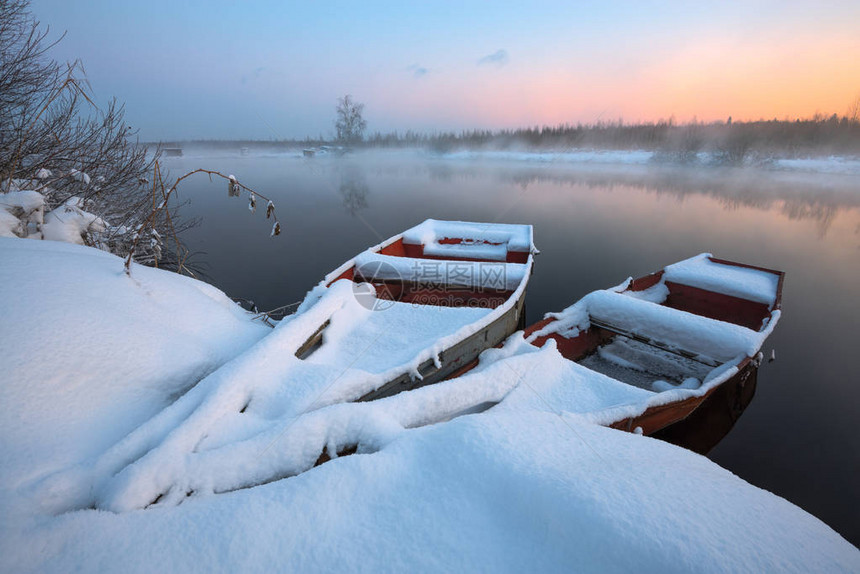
673 355
403 314
477 272
687 338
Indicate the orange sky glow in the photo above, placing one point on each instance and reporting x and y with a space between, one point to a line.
449 66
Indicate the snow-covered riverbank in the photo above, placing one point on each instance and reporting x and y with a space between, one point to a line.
561 158
89 354
836 165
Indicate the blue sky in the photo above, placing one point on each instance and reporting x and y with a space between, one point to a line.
233 69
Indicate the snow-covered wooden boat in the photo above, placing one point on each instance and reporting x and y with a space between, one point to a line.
672 355
403 314
468 278
689 335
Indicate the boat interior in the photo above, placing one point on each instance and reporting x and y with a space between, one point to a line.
450 280
641 359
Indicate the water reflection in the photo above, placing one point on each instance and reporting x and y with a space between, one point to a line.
353 189
823 215
797 195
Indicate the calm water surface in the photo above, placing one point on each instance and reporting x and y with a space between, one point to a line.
595 226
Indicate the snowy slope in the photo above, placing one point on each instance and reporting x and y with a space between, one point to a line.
491 492
527 485
88 353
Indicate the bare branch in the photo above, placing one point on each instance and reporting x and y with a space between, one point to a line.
235 186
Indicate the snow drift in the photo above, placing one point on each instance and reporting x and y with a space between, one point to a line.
527 485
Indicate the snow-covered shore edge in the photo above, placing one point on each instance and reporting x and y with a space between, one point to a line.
89 353
571 158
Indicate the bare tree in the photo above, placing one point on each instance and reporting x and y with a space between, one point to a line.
55 140
854 110
350 124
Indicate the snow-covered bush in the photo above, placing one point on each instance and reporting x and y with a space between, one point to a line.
93 178
21 213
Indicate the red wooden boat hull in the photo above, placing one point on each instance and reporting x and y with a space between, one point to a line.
404 290
699 422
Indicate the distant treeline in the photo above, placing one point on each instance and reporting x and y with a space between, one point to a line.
723 142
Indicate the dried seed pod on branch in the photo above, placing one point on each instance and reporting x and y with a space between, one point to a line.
56 141
168 191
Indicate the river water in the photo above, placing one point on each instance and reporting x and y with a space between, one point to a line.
595 225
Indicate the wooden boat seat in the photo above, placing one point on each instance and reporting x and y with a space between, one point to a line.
709 340
651 342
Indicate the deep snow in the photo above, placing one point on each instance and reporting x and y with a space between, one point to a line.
88 353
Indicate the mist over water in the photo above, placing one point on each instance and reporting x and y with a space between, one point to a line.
596 223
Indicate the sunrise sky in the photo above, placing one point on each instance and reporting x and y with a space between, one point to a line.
274 69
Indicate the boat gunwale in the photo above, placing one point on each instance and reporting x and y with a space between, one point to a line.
346 266
683 407
736 368
512 305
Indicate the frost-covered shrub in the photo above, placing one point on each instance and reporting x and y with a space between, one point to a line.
81 160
